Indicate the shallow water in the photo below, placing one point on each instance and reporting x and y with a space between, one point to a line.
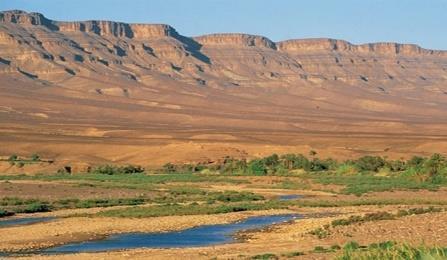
193 237
23 221
289 197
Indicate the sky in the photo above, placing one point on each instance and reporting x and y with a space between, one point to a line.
421 22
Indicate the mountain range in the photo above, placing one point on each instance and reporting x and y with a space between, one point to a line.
103 91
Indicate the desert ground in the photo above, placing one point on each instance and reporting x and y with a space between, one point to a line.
319 206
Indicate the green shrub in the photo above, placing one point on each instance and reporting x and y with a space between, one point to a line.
293 254
234 196
391 250
4 213
382 245
35 207
434 165
352 245
267 256
366 218
35 157
335 247
320 232
257 167
370 163
13 157
130 169
114 170
320 249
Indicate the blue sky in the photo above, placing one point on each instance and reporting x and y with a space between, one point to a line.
410 21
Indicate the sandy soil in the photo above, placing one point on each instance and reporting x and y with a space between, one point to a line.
59 190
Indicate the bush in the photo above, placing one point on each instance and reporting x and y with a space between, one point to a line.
293 162
234 196
4 213
320 249
396 166
13 157
434 165
322 165
267 256
169 168
112 170
416 162
293 254
366 218
352 245
130 169
257 167
35 207
35 157
320 232
370 163
391 250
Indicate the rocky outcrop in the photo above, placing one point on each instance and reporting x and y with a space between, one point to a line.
103 28
380 48
143 31
236 40
311 45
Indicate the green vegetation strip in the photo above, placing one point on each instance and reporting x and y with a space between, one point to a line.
390 250
12 205
191 209
325 231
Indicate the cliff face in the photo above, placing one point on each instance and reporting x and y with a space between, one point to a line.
236 40
52 50
39 49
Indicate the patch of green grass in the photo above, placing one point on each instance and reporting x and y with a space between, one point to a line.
18 205
351 245
137 180
367 202
360 219
293 254
267 256
325 231
293 185
390 250
363 183
321 232
194 209
383 216
34 208
91 203
234 196
15 201
321 249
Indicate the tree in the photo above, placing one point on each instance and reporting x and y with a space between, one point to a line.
13 157
434 165
169 168
416 162
257 167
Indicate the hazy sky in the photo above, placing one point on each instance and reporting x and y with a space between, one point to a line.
411 21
